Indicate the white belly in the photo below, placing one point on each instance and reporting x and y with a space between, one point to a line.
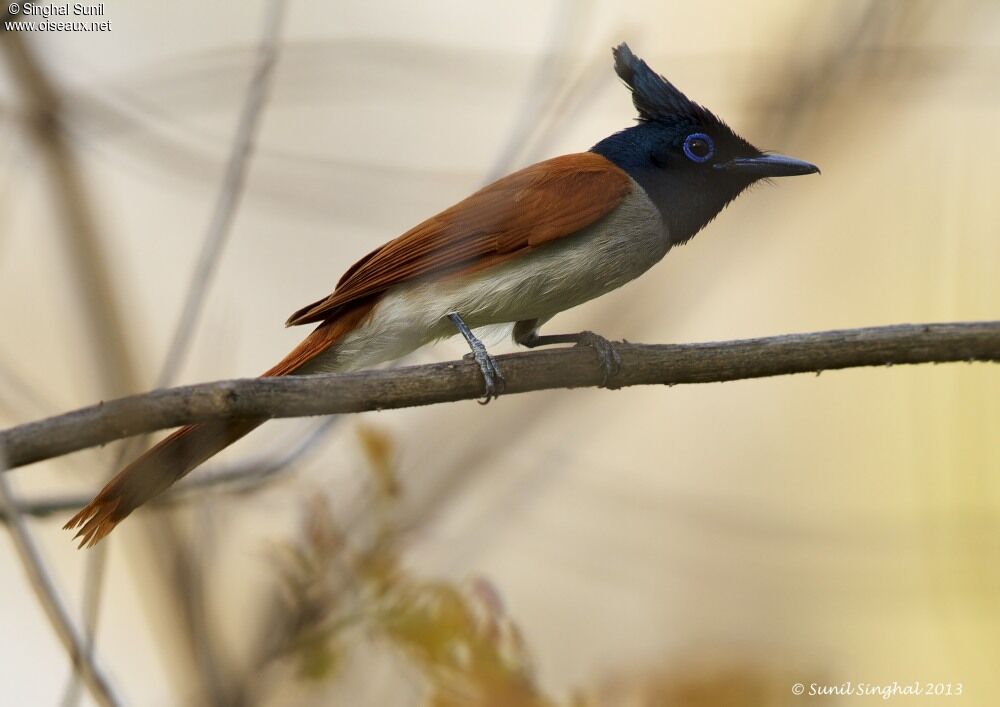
555 277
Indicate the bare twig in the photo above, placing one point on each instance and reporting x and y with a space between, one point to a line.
96 289
239 478
182 569
48 597
12 385
568 19
82 236
230 192
667 364
95 286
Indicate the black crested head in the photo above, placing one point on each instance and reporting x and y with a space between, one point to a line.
654 97
689 162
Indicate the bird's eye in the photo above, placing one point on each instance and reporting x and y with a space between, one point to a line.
699 147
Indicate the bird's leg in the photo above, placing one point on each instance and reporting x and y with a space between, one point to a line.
492 376
526 334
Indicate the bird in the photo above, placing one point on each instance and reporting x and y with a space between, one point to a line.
534 243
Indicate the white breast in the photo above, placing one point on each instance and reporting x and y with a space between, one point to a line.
553 278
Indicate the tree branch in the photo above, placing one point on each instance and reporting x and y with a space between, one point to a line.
48 596
235 479
669 364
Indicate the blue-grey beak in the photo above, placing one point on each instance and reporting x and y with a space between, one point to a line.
768 166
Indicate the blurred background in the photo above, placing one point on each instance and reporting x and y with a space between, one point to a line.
700 545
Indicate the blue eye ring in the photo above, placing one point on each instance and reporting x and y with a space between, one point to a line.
691 148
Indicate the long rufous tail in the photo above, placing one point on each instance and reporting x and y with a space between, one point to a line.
169 461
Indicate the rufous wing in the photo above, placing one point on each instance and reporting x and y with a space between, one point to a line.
536 205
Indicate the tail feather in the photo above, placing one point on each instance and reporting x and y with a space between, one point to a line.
174 457
153 472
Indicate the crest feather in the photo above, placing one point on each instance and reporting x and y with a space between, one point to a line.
654 97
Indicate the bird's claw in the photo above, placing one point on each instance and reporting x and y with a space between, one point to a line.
607 355
493 379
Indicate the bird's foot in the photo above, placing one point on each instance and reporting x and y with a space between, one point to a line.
492 376
493 379
607 355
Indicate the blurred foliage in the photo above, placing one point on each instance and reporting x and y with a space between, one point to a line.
458 637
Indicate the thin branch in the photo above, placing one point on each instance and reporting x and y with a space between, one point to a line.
182 569
114 360
239 478
669 364
94 283
12 385
48 597
568 18
46 124
93 584
230 192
